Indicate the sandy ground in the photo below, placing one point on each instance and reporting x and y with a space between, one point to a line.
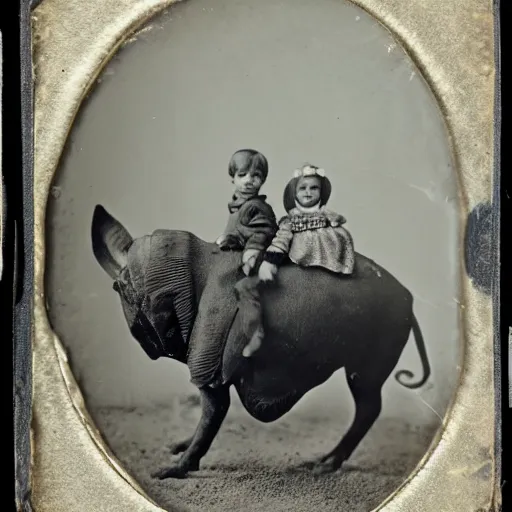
255 467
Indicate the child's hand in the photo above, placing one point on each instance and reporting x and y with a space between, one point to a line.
220 240
335 219
267 271
249 260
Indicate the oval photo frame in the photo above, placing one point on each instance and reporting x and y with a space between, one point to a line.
58 99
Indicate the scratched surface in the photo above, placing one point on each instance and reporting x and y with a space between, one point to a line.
453 41
378 133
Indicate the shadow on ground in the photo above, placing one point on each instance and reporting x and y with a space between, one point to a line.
255 467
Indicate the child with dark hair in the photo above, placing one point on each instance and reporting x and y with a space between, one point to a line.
250 228
251 223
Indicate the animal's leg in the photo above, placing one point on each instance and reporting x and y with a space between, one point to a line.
215 405
368 401
180 446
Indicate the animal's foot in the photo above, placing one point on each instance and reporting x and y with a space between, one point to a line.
328 464
325 464
178 470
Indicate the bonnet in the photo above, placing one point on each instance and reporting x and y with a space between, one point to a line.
291 187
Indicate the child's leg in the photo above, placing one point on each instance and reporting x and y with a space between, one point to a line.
249 305
214 317
254 343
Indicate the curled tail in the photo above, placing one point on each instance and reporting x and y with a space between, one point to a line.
110 242
420 343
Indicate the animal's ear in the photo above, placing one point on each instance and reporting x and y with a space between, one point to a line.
110 242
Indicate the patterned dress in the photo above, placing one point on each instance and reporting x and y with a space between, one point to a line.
315 239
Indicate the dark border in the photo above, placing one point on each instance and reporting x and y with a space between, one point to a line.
11 191
496 248
481 256
24 277
505 194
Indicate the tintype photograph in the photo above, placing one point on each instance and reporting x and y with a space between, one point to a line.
252 258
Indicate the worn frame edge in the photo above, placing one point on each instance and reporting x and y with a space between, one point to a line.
495 215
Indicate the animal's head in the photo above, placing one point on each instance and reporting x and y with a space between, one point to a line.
154 283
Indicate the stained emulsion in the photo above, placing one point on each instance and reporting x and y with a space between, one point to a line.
152 144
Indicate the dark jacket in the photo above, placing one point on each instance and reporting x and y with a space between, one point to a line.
252 222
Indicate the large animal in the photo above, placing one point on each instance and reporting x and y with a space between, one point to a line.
315 323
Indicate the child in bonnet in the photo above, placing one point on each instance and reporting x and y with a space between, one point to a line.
309 235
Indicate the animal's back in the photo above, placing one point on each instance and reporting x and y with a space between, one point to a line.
302 298
317 322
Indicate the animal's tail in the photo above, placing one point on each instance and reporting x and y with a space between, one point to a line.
110 242
420 343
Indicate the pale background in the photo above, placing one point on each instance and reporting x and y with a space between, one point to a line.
299 80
